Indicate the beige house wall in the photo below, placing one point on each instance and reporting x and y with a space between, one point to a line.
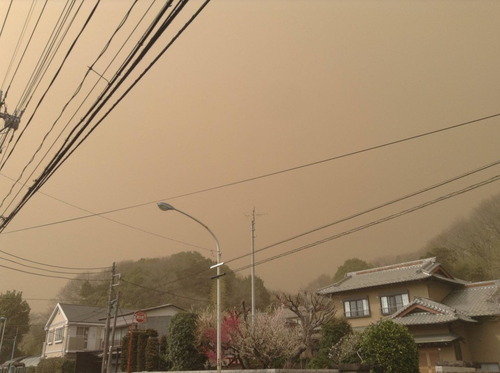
418 289
55 348
438 291
70 341
484 341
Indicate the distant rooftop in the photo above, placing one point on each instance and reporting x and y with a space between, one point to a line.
392 274
466 304
83 314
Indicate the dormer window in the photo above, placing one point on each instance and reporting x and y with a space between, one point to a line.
356 308
392 303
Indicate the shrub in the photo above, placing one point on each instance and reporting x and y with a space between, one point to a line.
331 333
152 354
56 365
389 348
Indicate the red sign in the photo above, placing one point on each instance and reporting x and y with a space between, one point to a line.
140 317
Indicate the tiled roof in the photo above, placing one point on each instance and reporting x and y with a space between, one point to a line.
425 311
83 314
476 299
399 273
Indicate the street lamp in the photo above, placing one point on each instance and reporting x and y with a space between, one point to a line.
167 207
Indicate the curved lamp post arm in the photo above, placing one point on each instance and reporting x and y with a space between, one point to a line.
167 207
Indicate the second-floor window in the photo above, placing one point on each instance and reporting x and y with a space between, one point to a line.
356 308
58 335
392 303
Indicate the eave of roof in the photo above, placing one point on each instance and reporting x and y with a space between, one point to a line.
437 338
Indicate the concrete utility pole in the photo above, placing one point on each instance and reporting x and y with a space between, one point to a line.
252 262
4 319
112 284
253 265
113 330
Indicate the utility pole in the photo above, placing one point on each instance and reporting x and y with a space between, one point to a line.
14 346
4 319
253 265
252 275
110 355
112 284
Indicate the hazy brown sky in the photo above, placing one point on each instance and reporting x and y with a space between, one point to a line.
258 86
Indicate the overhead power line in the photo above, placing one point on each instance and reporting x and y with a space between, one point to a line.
250 179
50 276
48 270
79 136
345 233
378 207
375 222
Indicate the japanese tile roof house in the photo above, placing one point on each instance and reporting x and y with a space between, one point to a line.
450 319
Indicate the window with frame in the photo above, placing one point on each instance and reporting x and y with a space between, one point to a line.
50 336
392 303
58 335
356 308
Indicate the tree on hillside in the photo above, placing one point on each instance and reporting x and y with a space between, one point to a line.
313 311
470 248
32 342
318 283
182 279
350 265
17 323
239 290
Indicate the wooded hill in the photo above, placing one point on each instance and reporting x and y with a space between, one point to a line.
181 279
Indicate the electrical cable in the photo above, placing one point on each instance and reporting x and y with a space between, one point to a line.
54 79
373 223
55 266
20 62
50 276
46 57
371 209
164 9
18 45
59 159
390 217
91 90
55 122
48 270
336 236
344 155
6 17
163 291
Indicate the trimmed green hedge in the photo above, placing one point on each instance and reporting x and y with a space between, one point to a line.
56 365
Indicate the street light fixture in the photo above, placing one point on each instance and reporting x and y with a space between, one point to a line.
167 207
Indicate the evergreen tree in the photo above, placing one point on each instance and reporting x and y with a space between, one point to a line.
182 351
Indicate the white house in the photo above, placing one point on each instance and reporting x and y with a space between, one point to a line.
73 328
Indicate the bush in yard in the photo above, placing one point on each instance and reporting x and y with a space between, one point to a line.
346 350
56 365
163 363
331 333
182 351
152 354
389 348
